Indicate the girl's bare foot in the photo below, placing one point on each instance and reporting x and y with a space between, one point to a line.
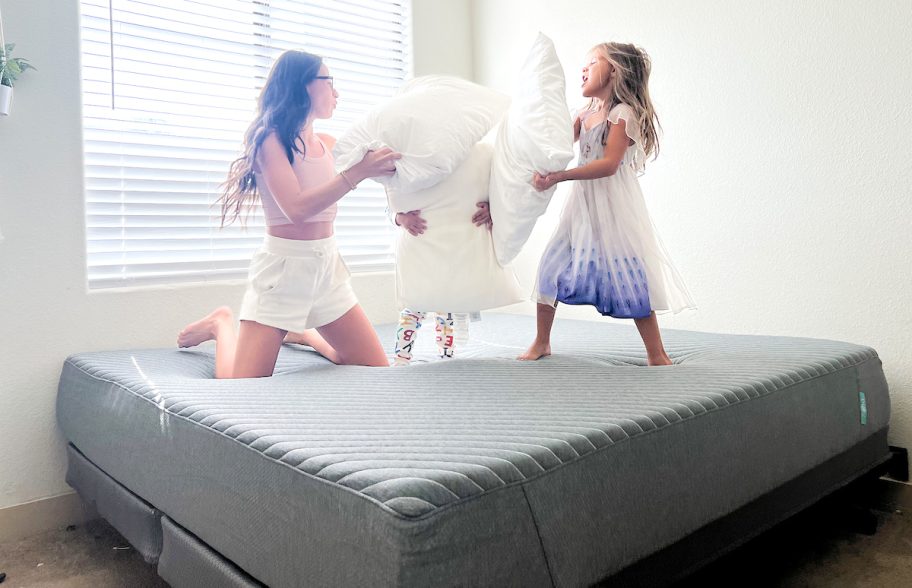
206 328
536 351
659 360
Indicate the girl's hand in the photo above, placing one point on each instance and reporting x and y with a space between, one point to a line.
381 162
542 183
412 222
482 216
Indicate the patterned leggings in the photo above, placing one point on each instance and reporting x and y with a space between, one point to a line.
409 324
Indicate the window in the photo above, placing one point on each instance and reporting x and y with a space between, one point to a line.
169 88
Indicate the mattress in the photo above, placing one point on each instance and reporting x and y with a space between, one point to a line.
475 471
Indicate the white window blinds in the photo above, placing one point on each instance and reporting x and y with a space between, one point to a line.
169 88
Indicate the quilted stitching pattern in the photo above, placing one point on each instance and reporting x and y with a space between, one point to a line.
421 438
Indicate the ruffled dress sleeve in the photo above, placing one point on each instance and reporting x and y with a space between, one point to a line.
636 155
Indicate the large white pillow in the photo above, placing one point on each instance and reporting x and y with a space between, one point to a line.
451 267
535 135
433 121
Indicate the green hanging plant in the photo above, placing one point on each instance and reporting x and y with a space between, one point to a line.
12 67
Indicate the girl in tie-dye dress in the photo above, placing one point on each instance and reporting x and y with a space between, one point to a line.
605 251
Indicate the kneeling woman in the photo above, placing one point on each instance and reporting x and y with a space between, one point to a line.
297 281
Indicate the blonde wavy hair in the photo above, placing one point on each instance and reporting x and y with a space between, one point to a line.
630 86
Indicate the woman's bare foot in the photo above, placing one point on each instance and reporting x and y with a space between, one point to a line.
312 338
536 351
659 360
301 338
206 328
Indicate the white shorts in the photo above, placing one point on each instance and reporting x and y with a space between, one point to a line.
295 285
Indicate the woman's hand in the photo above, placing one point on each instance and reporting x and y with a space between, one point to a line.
374 164
412 222
542 183
482 216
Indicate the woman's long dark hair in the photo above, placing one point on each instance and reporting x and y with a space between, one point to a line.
282 108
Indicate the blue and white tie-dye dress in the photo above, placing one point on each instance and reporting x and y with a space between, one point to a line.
605 251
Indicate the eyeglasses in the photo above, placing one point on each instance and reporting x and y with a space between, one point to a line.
330 78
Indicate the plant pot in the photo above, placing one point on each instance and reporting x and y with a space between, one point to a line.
6 99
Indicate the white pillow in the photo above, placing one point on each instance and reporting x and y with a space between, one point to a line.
451 266
535 135
433 121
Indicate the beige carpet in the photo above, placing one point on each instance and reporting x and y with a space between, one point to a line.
816 548
93 555
821 547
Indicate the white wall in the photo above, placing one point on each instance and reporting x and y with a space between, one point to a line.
46 310
783 186
443 37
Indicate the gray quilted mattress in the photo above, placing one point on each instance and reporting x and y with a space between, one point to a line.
475 471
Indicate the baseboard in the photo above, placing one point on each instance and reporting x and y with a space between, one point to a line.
24 520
